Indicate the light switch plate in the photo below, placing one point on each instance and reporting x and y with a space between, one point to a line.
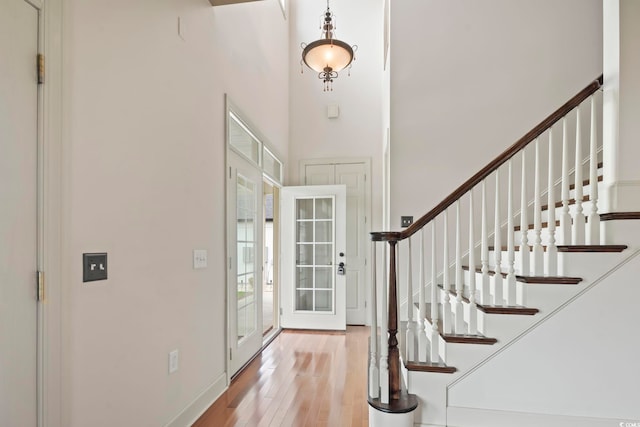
333 111
94 267
406 221
173 361
199 258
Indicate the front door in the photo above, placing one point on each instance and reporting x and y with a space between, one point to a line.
18 212
354 176
245 248
313 257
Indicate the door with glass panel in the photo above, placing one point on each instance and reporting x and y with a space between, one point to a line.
245 250
313 249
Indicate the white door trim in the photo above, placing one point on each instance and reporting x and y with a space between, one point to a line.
52 325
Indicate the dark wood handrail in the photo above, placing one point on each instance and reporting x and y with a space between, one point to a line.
492 166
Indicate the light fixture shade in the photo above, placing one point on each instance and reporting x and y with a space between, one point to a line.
332 54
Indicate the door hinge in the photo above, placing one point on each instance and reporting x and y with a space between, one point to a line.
40 286
230 263
280 311
365 304
40 68
230 358
229 172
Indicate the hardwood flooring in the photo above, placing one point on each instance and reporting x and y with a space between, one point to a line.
303 378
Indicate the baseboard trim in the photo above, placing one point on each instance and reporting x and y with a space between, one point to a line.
200 404
472 417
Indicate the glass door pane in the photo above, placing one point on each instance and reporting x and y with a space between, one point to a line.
315 240
246 225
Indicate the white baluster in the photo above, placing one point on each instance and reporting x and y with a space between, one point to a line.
525 250
460 326
374 379
423 342
577 232
473 308
552 249
594 218
497 249
565 217
410 339
510 288
538 250
447 315
435 333
485 294
384 328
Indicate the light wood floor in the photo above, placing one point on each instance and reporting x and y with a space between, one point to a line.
301 379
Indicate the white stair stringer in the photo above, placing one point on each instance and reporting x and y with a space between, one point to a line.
431 388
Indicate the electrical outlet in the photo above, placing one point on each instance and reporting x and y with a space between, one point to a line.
199 258
406 221
173 361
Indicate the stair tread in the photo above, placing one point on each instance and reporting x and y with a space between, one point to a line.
559 204
458 338
496 309
591 248
584 183
531 226
575 248
557 280
438 367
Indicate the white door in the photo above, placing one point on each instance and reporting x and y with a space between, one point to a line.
313 239
18 212
354 177
244 246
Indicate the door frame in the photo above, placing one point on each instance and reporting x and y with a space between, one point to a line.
367 206
52 249
266 175
232 251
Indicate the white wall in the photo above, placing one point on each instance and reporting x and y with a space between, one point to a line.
469 78
622 87
358 131
579 363
144 156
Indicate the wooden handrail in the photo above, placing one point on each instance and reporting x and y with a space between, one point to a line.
492 166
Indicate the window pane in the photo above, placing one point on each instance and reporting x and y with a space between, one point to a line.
324 231
324 254
304 277
324 208
305 255
271 165
324 276
304 300
304 208
242 140
324 300
305 231
314 255
245 242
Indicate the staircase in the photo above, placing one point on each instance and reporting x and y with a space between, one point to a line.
506 252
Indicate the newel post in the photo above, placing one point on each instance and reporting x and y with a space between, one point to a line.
394 353
394 406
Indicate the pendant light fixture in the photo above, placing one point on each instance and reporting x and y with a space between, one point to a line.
328 55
